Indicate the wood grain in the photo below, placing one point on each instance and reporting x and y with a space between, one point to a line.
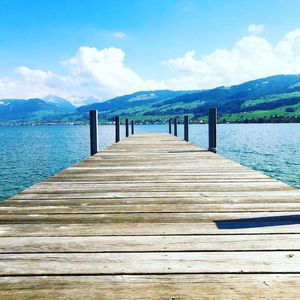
153 287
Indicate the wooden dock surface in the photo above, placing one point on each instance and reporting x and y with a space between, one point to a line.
152 217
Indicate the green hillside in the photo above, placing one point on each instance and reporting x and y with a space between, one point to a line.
271 99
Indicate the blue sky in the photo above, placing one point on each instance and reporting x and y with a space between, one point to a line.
153 35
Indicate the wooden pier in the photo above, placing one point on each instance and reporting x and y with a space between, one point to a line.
152 217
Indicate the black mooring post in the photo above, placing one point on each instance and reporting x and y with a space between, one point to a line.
175 126
132 127
94 131
127 127
170 126
212 130
117 122
186 128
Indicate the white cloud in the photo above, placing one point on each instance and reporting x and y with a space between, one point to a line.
256 29
27 83
119 35
103 73
250 58
92 73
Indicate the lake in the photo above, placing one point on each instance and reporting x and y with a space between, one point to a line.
29 154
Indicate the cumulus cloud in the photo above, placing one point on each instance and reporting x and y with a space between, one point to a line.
256 29
250 58
94 73
103 73
26 83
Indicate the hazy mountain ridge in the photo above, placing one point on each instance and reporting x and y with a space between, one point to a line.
275 98
20 110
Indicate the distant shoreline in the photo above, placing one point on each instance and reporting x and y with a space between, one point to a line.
85 123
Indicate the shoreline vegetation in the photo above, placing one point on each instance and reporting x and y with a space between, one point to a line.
275 120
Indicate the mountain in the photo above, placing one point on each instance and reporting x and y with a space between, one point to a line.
110 107
134 100
275 99
271 99
34 110
60 103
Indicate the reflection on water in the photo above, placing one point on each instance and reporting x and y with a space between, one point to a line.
31 153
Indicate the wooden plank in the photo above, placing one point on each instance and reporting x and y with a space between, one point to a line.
140 179
236 218
95 188
139 201
151 243
151 170
146 185
169 194
119 229
150 263
153 287
52 208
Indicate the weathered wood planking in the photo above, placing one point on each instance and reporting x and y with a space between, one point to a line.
159 287
149 263
152 217
152 243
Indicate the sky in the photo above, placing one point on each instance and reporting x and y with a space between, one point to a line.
82 50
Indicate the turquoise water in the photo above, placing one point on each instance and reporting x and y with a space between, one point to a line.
29 154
